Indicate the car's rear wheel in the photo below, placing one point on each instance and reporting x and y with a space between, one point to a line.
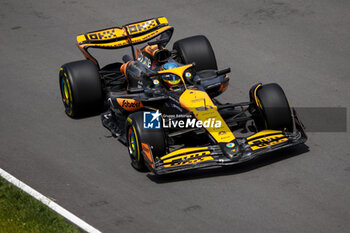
81 89
274 109
196 49
136 135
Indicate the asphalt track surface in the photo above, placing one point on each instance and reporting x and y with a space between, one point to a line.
302 45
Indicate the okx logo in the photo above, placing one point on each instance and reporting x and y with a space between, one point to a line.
151 120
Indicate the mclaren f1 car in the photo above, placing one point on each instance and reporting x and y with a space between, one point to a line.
162 103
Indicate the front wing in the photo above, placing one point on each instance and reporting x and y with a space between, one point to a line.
242 150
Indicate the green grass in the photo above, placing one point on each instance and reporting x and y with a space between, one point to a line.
19 212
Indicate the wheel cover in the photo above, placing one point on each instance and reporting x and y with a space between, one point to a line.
66 94
132 143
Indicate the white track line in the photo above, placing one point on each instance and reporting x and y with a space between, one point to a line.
46 201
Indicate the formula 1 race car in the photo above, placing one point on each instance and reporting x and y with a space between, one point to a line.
162 103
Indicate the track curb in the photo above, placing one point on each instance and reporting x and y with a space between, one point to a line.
49 203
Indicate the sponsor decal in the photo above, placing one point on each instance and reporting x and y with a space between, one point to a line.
266 141
188 159
188 75
129 104
230 145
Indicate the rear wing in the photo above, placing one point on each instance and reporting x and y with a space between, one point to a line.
128 35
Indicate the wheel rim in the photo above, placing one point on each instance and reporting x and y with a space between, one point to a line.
132 143
66 94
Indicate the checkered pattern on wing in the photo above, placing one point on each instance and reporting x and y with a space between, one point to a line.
108 34
149 24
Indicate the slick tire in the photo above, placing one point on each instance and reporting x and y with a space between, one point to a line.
274 107
196 49
81 89
136 135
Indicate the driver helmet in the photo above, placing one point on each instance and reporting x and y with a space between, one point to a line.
171 80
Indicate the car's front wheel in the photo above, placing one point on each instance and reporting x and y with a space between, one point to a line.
136 135
273 108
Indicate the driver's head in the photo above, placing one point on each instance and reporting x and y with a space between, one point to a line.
171 80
